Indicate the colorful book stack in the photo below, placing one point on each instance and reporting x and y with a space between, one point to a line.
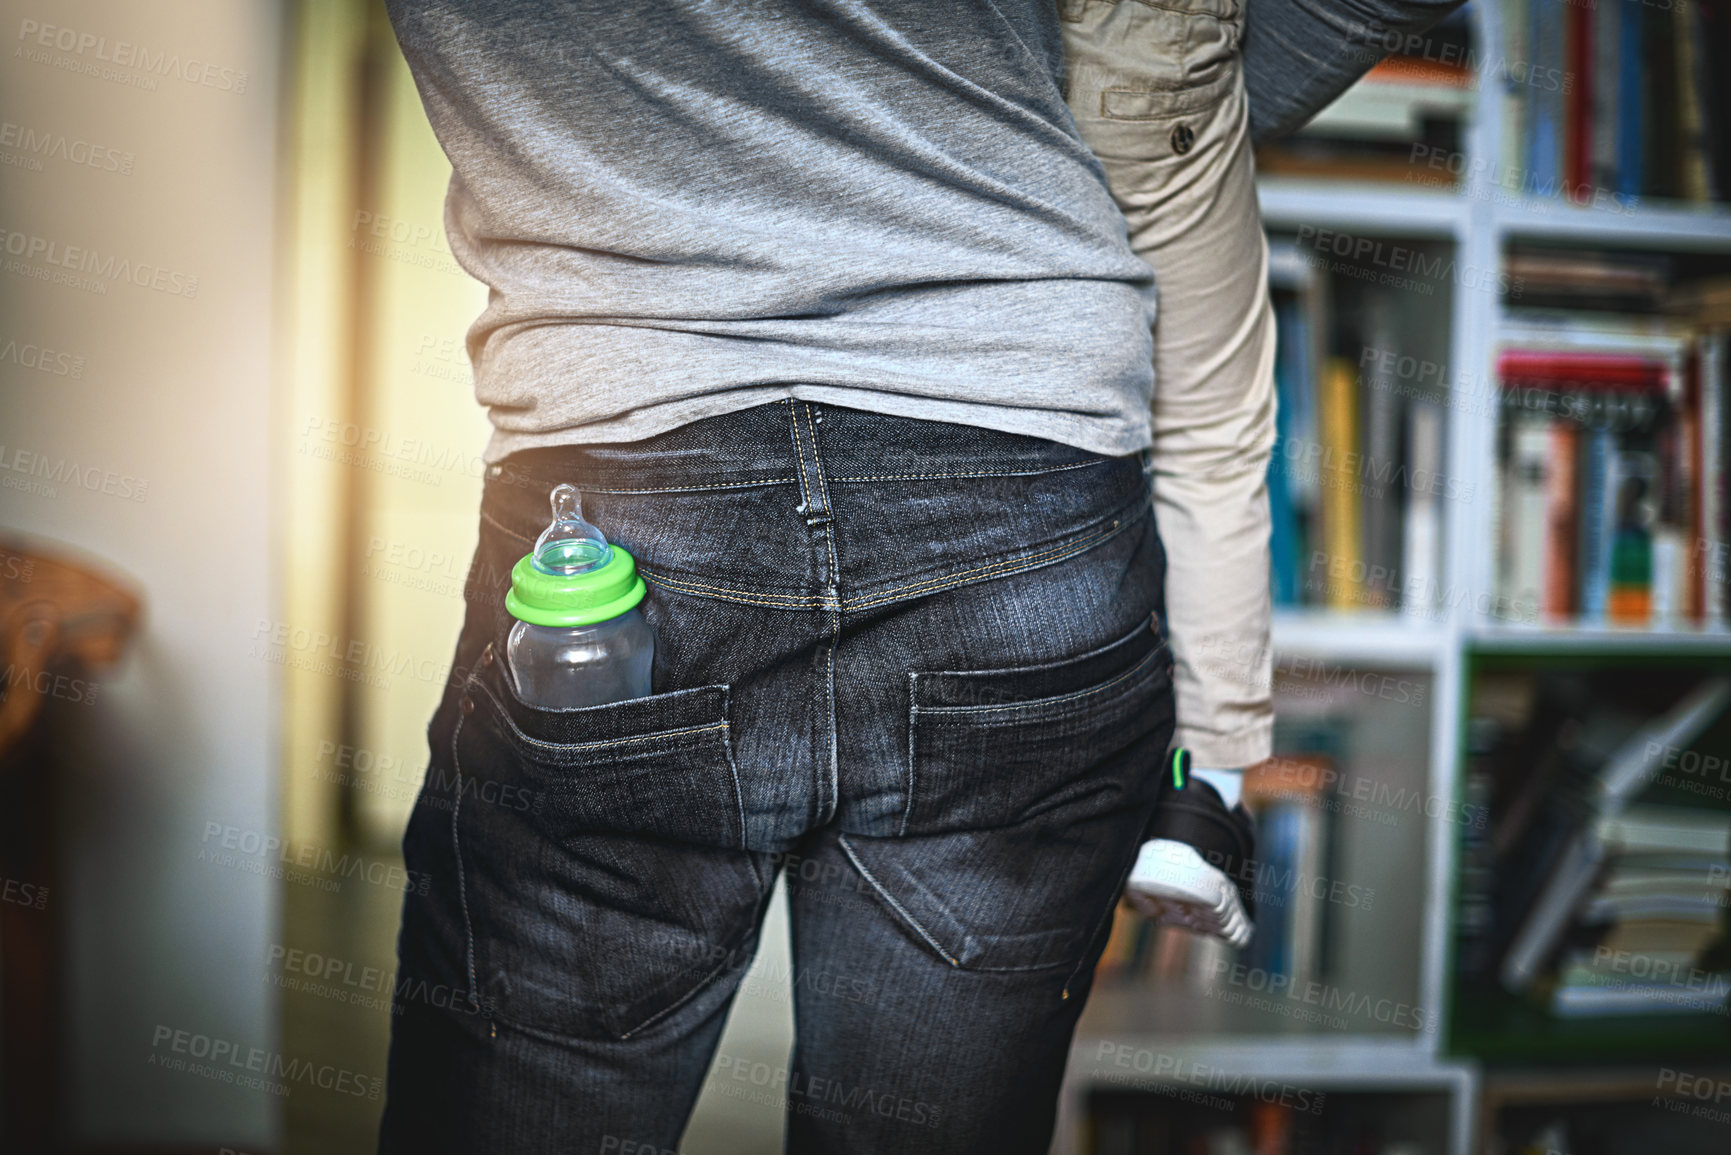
1596 895
1656 913
1356 484
1612 480
1619 100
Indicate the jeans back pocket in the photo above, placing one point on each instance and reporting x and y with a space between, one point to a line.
602 874
992 748
1029 789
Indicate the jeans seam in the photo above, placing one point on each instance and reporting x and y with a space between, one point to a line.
696 989
497 524
729 593
975 473
913 714
1105 917
732 767
895 593
995 570
798 454
832 594
659 734
457 850
696 488
1040 703
901 911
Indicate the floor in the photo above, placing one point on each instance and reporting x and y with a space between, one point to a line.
335 996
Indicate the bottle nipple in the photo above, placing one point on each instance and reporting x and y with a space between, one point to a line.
570 545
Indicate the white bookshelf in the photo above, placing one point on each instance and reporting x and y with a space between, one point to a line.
1480 221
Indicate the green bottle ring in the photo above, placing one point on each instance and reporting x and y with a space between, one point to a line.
568 600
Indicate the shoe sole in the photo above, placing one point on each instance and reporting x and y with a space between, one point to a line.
1174 886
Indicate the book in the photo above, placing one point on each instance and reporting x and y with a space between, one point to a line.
1694 180
1602 172
1635 472
1631 105
1598 516
1547 69
1342 530
1585 828
1421 547
1659 175
1516 24
1578 102
1664 829
1590 1001
1560 517
1712 504
1525 486
1381 505
1613 102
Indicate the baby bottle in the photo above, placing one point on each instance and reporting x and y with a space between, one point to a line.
579 638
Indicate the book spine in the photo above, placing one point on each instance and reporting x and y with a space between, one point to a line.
1380 509
1692 143
1579 100
1342 532
1607 31
1597 518
1545 149
1560 523
1516 115
1712 479
1524 509
1631 111
1421 557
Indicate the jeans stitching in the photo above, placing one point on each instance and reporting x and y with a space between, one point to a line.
728 594
798 455
908 807
1039 703
1002 568
678 732
976 473
696 989
497 524
697 488
457 849
732 768
902 911
910 589
833 591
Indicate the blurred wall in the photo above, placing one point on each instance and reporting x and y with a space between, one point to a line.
148 134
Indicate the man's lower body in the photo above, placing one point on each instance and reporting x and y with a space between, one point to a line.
919 666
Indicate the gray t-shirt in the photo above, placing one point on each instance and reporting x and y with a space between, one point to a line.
688 207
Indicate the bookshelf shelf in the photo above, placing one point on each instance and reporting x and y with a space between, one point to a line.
1177 1014
1597 639
1354 1062
1362 207
1666 226
1502 1028
1380 640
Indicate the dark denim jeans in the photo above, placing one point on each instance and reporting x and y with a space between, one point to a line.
918 666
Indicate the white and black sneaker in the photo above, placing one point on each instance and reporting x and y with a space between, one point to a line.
1192 869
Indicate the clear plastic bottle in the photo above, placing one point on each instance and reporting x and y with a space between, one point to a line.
579 638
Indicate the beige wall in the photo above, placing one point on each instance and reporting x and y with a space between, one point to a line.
175 391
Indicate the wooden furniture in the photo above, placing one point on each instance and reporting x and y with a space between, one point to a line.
61 622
